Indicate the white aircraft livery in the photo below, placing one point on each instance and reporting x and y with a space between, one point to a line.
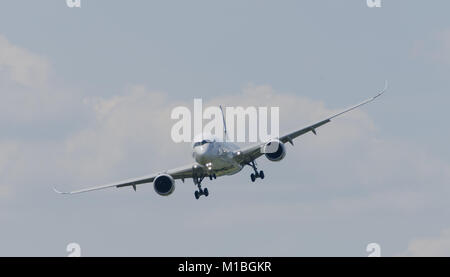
215 158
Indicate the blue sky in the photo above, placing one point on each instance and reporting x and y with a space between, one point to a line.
85 89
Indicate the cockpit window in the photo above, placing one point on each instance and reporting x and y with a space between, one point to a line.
201 142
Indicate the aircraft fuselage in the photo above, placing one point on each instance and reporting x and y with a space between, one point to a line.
217 157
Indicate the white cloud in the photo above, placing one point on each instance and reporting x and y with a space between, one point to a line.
430 246
29 98
128 128
22 66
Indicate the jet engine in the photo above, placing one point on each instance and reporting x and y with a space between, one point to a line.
274 150
164 184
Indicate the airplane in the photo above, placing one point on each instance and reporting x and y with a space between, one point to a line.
214 158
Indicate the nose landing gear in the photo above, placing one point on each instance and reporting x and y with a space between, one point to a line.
257 174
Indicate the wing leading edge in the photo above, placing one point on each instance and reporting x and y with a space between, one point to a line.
312 128
177 173
251 153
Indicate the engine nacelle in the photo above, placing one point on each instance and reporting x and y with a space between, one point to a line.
274 150
164 184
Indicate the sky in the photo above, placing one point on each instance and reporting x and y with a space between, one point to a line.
86 100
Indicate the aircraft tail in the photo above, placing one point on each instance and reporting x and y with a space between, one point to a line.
224 125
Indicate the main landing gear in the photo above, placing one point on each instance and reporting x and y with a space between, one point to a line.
257 174
200 191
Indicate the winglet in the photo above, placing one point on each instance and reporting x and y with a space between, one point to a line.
386 85
362 103
59 192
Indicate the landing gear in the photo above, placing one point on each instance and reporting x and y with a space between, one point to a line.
200 191
257 174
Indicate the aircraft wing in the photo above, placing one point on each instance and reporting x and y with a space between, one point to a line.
248 154
184 172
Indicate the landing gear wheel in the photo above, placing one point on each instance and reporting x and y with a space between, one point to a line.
197 195
257 174
261 174
206 192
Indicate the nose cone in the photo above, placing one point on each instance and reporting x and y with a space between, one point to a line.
201 153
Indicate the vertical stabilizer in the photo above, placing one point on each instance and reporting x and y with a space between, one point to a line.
224 125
